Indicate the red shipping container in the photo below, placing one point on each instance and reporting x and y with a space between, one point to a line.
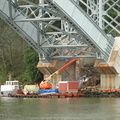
62 86
68 86
72 86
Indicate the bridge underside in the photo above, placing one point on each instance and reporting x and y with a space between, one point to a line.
109 73
57 31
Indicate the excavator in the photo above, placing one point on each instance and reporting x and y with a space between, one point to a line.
45 84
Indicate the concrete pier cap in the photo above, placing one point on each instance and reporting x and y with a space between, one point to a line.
110 72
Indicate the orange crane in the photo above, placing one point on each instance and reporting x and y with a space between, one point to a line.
45 83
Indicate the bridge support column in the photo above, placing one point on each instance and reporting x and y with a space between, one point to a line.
70 73
110 81
110 72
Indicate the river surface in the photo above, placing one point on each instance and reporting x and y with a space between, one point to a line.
59 109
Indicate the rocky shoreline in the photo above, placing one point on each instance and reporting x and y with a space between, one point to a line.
102 94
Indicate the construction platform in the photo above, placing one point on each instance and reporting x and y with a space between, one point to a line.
59 95
106 93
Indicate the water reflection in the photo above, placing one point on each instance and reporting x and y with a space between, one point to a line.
59 109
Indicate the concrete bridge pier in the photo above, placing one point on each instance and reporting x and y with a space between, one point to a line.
110 72
110 81
71 73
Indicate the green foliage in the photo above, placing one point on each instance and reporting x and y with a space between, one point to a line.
3 76
15 59
11 52
31 74
25 3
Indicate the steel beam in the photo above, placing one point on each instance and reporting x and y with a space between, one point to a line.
53 36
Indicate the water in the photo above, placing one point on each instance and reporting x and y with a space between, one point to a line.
59 109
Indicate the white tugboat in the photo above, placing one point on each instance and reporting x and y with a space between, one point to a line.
10 87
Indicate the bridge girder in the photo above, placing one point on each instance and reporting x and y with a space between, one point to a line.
56 38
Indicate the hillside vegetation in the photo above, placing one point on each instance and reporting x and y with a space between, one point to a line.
17 59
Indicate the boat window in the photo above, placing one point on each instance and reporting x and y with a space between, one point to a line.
15 83
12 83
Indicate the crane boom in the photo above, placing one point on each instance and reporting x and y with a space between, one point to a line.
61 69
45 84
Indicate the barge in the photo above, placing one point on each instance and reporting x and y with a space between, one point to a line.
57 95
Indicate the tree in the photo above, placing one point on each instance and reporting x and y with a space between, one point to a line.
11 52
16 59
32 74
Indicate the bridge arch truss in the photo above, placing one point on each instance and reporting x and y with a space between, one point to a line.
49 28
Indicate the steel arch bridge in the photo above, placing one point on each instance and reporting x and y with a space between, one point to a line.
65 28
